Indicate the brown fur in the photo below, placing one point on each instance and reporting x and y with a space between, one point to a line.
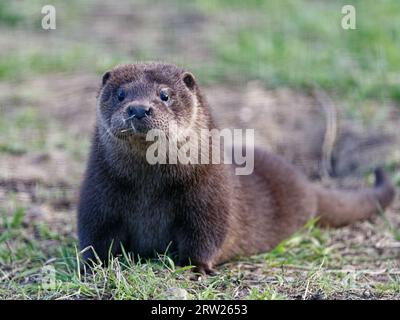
205 214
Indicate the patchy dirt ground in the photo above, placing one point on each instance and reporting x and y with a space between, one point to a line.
46 181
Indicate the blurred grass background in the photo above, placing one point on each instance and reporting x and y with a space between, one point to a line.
294 43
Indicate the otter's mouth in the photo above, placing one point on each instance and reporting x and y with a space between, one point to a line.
133 127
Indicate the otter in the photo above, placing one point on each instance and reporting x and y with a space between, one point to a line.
203 214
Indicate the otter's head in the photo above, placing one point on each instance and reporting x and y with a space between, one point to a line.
136 98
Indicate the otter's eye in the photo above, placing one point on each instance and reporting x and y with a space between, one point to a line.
121 94
164 95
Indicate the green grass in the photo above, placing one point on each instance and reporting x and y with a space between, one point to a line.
122 279
298 264
298 44
22 131
301 44
27 13
8 16
74 58
58 53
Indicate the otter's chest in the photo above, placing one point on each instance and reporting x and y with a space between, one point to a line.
150 223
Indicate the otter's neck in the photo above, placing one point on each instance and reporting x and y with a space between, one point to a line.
126 161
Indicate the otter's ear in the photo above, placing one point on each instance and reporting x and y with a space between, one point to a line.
189 80
105 78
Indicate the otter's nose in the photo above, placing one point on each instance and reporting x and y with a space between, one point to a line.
138 112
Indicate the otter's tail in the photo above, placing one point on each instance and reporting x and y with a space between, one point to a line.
339 207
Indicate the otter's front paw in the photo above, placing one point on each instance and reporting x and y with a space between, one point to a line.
202 269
